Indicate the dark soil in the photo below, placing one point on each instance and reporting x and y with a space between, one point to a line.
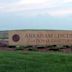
66 50
7 49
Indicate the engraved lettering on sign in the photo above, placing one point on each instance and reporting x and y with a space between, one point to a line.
48 37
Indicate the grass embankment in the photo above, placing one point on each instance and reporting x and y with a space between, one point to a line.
35 62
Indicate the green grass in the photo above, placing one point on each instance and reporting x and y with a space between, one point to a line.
35 62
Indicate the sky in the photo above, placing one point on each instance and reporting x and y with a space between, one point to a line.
35 14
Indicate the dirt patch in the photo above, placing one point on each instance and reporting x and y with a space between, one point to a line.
67 50
7 49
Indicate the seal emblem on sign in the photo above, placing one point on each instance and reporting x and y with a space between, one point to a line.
15 37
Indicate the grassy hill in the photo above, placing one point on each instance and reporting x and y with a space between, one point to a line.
35 62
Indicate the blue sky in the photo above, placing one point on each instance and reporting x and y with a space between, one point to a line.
35 14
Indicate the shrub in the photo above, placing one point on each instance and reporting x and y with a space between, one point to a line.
19 47
32 49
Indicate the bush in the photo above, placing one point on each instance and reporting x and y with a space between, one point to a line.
19 47
32 49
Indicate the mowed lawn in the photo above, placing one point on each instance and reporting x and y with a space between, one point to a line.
18 61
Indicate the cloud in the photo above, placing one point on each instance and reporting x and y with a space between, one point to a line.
67 1
22 5
61 13
31 4
35 7
37 1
